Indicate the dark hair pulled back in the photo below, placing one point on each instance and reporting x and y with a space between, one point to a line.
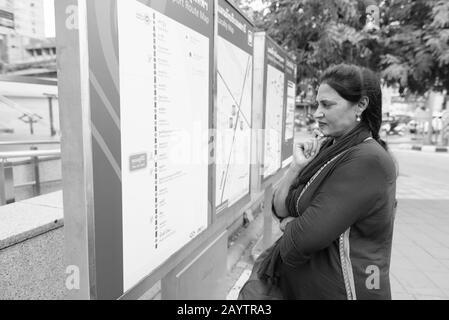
353 83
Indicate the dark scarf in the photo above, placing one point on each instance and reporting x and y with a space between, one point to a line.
268 267
328 151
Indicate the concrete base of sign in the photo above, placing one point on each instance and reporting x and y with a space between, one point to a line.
199 276
31 249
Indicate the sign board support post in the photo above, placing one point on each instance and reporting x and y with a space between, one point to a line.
71 39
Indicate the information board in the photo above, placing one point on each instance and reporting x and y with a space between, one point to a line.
274 109
289 114
165 54
234 106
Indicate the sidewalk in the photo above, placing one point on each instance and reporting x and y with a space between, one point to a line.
420 256
406 142
410 143
416 147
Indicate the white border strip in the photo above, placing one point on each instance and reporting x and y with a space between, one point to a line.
286 162
234 292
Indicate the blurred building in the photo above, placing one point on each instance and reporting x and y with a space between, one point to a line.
40 60
394 104
21 25
6 28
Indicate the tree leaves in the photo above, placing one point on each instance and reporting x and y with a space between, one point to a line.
411 47
422 65
396 72
440 14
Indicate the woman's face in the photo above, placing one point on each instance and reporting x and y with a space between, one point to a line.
335 115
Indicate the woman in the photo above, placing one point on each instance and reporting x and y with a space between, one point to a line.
337 202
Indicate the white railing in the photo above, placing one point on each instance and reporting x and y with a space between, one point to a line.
7 186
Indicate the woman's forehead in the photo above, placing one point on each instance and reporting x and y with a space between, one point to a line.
326 92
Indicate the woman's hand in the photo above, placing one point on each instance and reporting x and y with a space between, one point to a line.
284 223
304 153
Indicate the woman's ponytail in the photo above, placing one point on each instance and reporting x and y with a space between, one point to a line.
372 116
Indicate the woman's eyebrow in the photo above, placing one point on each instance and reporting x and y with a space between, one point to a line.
327 101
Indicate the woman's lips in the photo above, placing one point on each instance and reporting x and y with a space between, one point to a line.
322 124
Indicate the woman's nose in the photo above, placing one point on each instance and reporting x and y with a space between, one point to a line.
318 114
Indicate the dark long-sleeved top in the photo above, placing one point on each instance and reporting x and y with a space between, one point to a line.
340 245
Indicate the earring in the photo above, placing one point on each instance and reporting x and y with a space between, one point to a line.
358 118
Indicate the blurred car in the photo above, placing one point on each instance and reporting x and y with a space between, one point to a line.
396 125
412 126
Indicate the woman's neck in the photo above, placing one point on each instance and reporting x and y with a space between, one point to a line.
341 136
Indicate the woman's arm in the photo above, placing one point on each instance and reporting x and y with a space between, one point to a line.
348 195
281 193
303 154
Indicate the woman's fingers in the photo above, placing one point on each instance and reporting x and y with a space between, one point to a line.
318 134
284 223
300 148
299 152
307 151
305 148
311 148
315 147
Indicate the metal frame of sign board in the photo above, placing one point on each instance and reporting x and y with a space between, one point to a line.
75 146
292 59
258 103
273 178
233 212
98 279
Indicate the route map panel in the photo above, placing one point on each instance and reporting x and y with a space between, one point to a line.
274 110
234 106
165 89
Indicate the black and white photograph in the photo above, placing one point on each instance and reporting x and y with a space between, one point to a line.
224 155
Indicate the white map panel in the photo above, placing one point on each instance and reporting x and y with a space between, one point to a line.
164 92
234 96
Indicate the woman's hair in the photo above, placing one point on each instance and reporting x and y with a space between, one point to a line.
352 83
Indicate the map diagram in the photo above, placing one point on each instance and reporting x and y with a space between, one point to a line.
290 115
234 96
273 121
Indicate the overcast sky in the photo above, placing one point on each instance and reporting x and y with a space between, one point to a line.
49 15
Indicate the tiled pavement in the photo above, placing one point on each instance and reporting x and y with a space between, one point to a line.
420 257
421 188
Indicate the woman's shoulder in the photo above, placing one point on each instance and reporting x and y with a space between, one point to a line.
371 155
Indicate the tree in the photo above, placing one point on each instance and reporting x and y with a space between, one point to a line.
416 45
410 48
255 13
320 33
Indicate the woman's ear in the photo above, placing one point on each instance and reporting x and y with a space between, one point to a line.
363 104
